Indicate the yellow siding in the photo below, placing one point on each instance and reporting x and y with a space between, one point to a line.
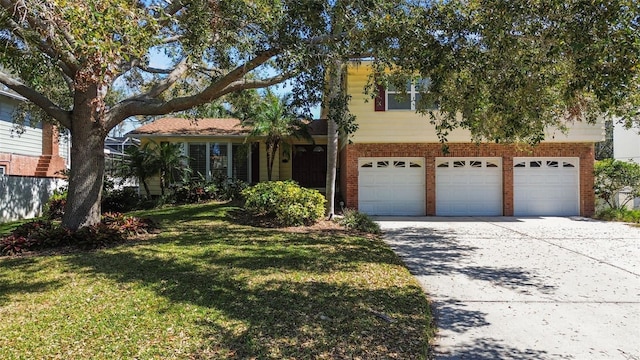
406 126
285 167
275 175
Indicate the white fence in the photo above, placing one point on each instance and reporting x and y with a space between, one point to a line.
23 197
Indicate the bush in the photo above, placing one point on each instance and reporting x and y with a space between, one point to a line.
123 200
614 176
14 244
199 190
54 209
355 220
620 214
286 202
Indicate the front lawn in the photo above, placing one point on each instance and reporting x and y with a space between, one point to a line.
208 288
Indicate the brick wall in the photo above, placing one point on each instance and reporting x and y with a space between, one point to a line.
584 151
22 165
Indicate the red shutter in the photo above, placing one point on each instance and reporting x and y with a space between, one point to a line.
381 99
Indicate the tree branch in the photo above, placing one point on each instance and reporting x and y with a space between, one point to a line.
162 86
49 43
63 116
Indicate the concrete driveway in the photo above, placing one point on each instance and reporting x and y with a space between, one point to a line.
533 288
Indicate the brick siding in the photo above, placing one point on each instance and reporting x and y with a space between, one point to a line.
584 151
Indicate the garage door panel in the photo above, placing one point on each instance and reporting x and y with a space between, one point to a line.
468 186
391 186
546 186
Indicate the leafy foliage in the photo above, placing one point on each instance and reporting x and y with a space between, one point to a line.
14 244
196 190
505 70
54 209
42 234
614 176
619 214
353 219
286 202
121 200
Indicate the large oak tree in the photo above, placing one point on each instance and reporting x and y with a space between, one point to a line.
66 57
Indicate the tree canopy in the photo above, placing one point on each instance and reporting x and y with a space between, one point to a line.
504 69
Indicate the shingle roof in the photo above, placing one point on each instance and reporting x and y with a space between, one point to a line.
182 126
209 127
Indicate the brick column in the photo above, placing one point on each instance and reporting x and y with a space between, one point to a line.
587 194
507 186
430 168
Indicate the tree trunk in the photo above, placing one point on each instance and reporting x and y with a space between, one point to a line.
335 84
146 188
271 154
87 157
86 177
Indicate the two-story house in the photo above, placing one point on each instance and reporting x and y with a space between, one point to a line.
37 151
394 164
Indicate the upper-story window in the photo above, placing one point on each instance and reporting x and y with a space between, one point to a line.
394 98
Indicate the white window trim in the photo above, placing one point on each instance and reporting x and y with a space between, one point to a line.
411 93
3 170
208 145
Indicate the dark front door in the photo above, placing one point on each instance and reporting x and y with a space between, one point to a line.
255 163
309 165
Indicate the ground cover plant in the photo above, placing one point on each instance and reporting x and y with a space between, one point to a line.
207 287
621 214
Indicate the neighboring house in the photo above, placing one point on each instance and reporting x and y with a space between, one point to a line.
30 163
220 146
115 157
38 152
626 143
395 166
626 147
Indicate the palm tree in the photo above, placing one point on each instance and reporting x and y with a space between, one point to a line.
139 164
168 162
276 121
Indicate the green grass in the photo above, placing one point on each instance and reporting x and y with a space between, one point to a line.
207 288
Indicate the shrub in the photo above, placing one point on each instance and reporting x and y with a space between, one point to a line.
98 235
54 209
353 219
195 191
123 200
285 201
619 214
612 177
14 244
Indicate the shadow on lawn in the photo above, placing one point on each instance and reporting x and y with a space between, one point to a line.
27 284
272 291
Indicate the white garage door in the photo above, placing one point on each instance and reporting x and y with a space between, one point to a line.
468 186
546 186
391 186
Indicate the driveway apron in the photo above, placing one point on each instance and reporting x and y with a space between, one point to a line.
526 288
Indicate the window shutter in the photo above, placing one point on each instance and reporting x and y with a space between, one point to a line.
381 98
